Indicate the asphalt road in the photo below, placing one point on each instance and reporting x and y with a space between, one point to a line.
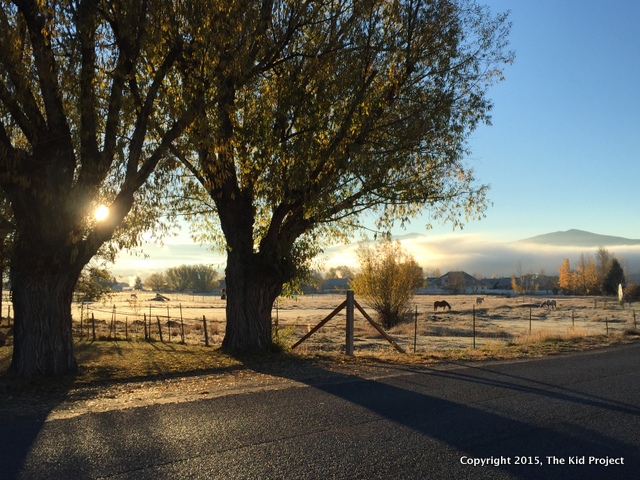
534 419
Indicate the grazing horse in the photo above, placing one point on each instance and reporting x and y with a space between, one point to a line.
550 304
443 303
479 300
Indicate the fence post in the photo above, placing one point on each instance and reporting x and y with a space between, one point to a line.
573 319
181 325
206 334
169 323
529 320
113 324
146 335
126 328
350 323
635 325
474 326
93 325
606 321
159 328
415 330
81 314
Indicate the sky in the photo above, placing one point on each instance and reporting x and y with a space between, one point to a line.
563 150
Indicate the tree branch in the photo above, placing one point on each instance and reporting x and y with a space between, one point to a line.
88 105
47 71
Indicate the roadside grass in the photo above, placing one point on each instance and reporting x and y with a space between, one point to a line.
539 344
122 360
106 362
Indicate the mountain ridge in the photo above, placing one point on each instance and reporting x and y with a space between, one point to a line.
579 238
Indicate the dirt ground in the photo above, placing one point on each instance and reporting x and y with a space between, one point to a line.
497 318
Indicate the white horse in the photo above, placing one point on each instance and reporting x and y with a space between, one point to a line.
550 304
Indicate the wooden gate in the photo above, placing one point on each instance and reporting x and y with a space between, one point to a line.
350 304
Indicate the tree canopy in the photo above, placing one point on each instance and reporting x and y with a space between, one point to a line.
295 116
199 278
322 111
87 114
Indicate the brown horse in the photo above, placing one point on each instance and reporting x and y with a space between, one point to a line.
443 303
550 304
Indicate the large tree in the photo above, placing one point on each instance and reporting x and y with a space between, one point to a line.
321 111
87 112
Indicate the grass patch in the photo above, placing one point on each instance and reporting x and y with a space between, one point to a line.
134 360
116 361
121 361
525 346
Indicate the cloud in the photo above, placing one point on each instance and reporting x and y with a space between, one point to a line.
479 254
472 253
159 258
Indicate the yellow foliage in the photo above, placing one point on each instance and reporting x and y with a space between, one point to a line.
388 279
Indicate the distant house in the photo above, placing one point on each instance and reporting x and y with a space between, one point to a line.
121 287
503 284
456 282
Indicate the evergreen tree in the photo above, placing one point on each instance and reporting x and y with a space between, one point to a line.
614 277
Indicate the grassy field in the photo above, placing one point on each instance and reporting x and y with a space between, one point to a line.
505 328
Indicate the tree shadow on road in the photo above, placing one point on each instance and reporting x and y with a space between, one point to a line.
464 408
24 408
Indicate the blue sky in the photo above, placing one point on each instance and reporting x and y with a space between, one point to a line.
564 146
563 150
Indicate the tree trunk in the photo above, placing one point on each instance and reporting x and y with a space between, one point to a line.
251 292
43 342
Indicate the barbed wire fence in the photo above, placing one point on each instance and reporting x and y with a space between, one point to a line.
147 321
177 322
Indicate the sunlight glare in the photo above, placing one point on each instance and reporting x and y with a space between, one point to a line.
101 213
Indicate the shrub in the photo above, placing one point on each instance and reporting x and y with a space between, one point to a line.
388 280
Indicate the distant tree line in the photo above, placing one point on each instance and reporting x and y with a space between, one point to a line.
593 275
195 278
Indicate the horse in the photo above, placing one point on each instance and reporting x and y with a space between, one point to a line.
549 304
479 300
443 303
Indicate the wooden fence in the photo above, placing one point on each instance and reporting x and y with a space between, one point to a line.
171 323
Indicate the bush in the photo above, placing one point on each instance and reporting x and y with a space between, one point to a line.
94 284
388 280
632 292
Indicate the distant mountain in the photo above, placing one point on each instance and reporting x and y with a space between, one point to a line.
579 238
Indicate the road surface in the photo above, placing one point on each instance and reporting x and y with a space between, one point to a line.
574 416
